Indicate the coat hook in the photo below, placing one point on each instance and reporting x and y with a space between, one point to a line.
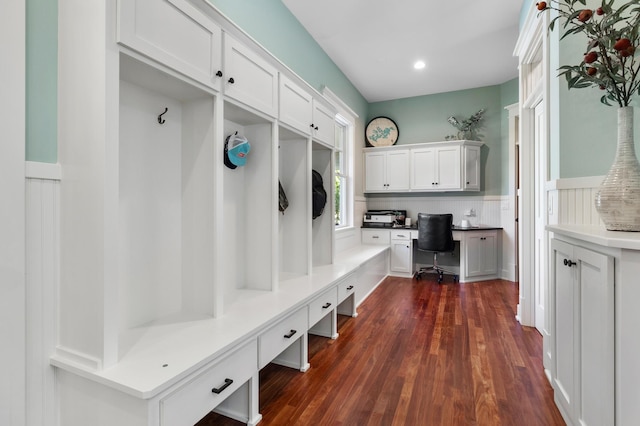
160 119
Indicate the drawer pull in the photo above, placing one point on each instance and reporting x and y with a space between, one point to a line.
227 383
291 333
326 305
375 236
401 236
350 288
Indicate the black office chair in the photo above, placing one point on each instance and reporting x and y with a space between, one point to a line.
435 235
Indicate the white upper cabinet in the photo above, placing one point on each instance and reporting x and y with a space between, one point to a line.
323 124
296 106
249 78
435 168
387 170
471 168
175 34
305 113
430 167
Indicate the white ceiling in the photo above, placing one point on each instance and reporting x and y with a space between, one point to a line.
464 43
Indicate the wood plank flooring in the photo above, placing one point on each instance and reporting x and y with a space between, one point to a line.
419 353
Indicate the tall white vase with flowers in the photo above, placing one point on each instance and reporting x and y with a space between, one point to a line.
610 63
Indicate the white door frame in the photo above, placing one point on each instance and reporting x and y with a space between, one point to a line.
12 218
532 45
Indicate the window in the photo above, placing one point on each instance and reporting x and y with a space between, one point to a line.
343 173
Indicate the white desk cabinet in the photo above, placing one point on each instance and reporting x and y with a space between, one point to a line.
401 255
481 253
387 171
582 299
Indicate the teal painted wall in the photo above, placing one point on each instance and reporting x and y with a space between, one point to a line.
424 119
275 28
508 96
41 80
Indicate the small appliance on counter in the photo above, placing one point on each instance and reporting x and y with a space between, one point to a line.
384 218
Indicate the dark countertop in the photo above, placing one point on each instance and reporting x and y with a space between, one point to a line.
455 228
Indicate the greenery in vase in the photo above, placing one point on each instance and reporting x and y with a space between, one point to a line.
610 60
467 129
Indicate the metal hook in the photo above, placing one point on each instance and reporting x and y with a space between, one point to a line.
160 119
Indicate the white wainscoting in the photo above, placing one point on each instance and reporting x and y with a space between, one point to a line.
488 211
572 201
42 276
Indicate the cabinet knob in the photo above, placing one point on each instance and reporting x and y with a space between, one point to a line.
569 263
219 73
311 125
231 80
316 127
227 383
467 183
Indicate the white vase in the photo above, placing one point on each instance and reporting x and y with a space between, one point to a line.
618 199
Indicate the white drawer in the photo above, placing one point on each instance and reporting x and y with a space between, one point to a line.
376 236
322 305
281 335
194 400
401 235
346 287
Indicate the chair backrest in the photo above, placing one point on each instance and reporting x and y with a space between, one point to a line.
435 232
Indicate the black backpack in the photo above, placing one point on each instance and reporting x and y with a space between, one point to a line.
318 193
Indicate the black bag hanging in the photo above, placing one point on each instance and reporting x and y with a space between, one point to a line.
283 203
319 194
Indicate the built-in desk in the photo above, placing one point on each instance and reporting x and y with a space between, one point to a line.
475 257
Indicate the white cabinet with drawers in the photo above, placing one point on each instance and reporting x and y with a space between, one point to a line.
323 320
206 391
285 343
401 257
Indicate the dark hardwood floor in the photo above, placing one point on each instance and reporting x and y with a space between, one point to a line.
419 353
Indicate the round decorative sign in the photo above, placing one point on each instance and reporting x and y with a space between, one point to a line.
382 131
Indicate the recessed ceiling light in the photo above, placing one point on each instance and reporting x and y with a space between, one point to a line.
419 65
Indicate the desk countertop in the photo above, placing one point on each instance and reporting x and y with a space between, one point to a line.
455 228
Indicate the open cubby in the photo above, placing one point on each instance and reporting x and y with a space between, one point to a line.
294 224
165 201
323 226
250 207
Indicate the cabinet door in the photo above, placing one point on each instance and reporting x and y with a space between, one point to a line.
448 168
295 106
566 350
401 255
471 169
249 79
192 46
397 170
374 169
596 334
324 124
423 172
481 254
583 332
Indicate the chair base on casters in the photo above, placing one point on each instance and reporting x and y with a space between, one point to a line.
436 269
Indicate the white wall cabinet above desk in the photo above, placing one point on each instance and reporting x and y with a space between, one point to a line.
387 170
427 167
